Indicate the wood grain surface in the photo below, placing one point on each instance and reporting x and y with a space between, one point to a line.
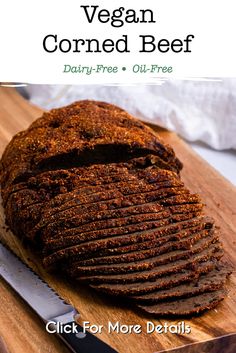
23 332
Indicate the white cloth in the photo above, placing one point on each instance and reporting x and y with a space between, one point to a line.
197 110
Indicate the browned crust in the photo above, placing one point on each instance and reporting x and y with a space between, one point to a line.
99 195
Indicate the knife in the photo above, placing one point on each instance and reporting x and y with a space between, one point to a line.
52 309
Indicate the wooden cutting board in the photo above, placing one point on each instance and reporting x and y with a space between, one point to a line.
22 330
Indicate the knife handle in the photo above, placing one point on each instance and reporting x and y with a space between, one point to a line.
84 342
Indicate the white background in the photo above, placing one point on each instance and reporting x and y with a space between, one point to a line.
24 24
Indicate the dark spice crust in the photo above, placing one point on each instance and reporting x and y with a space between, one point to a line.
61 242
167 253
159 270
82 131
99 196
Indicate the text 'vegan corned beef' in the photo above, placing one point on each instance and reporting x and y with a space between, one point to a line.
99 195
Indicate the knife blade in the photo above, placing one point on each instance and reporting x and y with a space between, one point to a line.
58 315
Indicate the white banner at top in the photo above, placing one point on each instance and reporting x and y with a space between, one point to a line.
117 42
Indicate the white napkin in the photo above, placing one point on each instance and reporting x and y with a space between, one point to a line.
197 110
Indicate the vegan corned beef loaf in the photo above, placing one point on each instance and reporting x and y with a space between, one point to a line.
99 195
